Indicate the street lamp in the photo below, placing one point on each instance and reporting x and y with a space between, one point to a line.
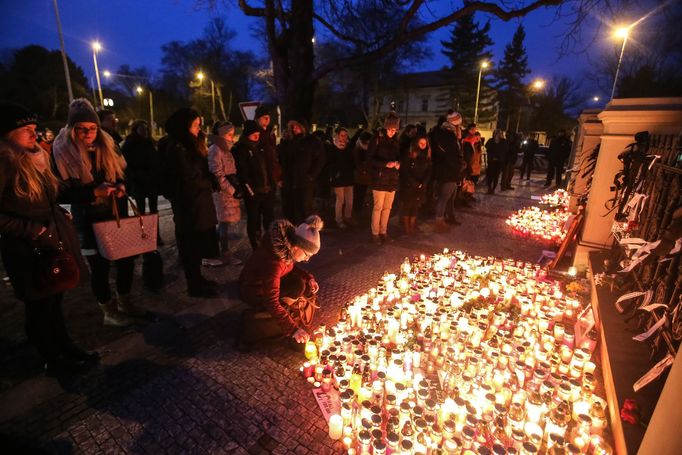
201 76
484 65
595 99
96 47
535 86
538 84
620 33
139 91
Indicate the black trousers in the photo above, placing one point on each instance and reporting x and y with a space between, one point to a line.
526 166
259 215
297 203
99 276
492 174
554 170
45 327
359 196
507 174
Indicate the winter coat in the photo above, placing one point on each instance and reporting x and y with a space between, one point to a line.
192 189
252 167
381 151
259 281
414 177
221 164
20 222
496 151
302 159
514 147
268 145
142 172
362 174
530 148
472 154
446 152
341 165
559 150
86 209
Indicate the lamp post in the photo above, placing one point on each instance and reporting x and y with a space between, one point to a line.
201 76
96 47
535 86
621 33
140 90
484 65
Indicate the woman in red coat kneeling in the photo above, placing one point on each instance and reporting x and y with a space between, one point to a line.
283 294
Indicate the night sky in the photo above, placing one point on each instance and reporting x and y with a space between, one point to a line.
132 32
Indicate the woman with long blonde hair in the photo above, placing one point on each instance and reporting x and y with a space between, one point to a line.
31 221
86 157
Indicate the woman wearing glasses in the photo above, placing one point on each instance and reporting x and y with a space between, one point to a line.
87 160
282 294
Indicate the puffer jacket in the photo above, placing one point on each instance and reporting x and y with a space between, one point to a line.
259 281
381 151
221 164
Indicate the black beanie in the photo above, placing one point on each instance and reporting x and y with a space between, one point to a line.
13 116
261 111
80 110
249 128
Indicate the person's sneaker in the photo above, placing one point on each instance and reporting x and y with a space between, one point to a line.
112 316
231 260
377 240
212 262
125 306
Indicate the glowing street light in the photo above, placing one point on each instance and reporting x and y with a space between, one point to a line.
106 73
201 76
484 65
96 47
138 89
620 33
595 99
538 84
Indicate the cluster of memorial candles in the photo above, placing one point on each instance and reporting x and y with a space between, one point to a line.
460 355
558 198
537 223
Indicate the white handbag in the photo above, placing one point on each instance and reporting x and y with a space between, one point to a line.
122 238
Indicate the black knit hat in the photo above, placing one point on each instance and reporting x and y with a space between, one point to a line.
13 116
249 128
261 111
80 110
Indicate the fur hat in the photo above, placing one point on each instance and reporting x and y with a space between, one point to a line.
454 117
308 234
13 116
392 121
249 128
80 110
261 111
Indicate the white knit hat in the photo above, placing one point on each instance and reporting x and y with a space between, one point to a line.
454 117
308 234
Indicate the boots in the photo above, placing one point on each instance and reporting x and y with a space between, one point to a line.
440 226
125 306
112 316
406 225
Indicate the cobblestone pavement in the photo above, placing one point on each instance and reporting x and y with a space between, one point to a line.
176 384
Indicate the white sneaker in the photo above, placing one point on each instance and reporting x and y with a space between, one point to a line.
212 262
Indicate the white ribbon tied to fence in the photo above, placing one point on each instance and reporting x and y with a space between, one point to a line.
643 336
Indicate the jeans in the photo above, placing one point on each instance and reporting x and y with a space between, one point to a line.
447 190
344 203
383 201
223 238
99 276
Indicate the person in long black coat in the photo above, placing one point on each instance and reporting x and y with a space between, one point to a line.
497 149
529 147
186 165
559 150
341 172
31 219
415 172
302 158
448 166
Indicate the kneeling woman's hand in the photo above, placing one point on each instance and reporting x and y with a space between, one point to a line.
301 336
314 287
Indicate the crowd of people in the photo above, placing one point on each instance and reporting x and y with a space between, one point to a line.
208 178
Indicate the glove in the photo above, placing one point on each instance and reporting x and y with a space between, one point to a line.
234 181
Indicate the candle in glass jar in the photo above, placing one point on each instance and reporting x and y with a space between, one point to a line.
335 426
310 350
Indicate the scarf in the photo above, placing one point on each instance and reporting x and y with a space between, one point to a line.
69 159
